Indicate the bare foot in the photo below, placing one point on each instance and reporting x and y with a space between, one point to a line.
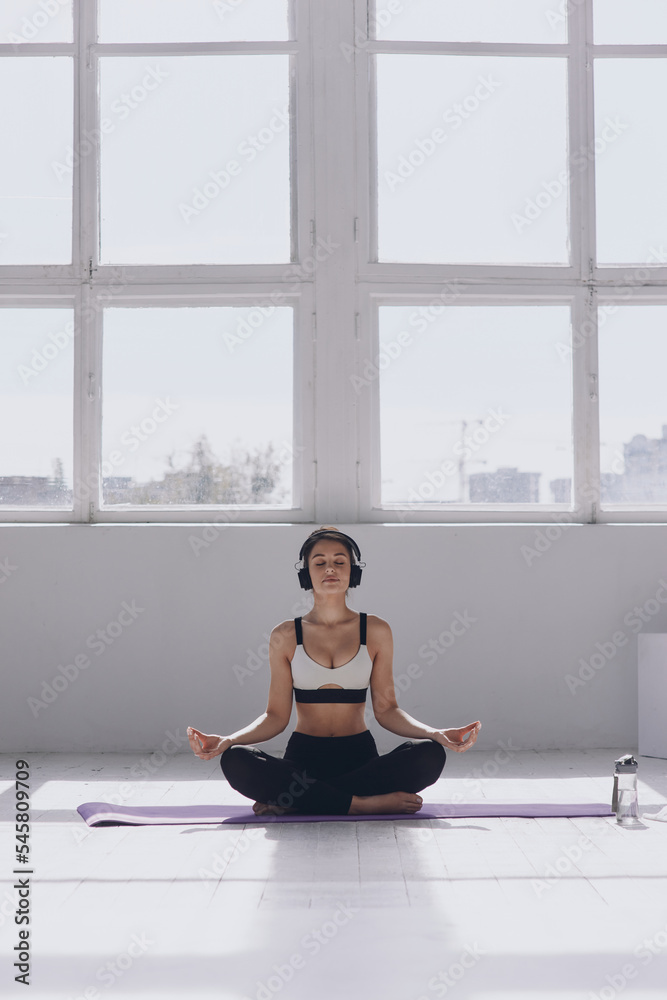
393 802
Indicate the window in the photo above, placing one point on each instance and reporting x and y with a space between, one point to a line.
272 260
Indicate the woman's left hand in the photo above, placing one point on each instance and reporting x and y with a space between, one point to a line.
458 739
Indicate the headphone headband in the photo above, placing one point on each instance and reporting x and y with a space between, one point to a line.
355 569
316 535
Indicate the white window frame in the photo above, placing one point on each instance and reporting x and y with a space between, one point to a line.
333 151
86 286
581 282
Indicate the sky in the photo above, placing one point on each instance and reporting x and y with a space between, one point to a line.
176 190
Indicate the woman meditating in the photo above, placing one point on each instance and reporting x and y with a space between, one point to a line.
327 658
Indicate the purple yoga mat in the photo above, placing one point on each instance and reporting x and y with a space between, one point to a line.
106 814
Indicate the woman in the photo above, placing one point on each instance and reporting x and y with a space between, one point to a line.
331 764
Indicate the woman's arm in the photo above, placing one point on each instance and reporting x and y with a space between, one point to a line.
278 709
385 706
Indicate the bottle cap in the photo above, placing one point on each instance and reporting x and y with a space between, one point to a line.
626 764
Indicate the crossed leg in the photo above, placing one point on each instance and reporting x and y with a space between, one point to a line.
386 783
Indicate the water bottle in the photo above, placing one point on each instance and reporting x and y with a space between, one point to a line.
624 797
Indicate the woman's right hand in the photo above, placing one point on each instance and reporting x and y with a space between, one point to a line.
207 746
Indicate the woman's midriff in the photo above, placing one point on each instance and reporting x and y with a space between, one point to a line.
330 719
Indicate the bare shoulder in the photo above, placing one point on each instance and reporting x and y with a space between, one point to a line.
378 630
283 637
284 628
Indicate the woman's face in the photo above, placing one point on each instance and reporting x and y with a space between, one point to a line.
329 566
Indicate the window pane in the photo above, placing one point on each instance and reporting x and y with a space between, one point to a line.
617 22
471 20
192 20
475 404
188 175
633 405
631 162
198 406
472 159
34 21
36 161
36 379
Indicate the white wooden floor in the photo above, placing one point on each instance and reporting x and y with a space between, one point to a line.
486 909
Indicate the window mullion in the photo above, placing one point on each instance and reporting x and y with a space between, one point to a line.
582 139
586 486
87 431
332 261
86 138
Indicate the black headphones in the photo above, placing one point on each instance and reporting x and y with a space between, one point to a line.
355 569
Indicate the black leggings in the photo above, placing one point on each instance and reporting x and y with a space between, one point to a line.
320 774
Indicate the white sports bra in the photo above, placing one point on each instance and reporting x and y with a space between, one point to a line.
308 675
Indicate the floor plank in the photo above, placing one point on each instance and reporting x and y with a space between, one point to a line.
501 907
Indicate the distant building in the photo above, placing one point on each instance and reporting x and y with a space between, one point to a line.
115 489
34 491
644 476
645 473
561 490
505 485
611 489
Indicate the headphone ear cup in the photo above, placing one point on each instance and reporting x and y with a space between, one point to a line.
304 579
355 576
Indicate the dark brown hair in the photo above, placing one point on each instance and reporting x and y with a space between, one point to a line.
319 535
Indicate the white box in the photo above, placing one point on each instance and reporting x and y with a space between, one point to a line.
652 694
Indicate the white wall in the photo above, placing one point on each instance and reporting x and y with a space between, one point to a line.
205 611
